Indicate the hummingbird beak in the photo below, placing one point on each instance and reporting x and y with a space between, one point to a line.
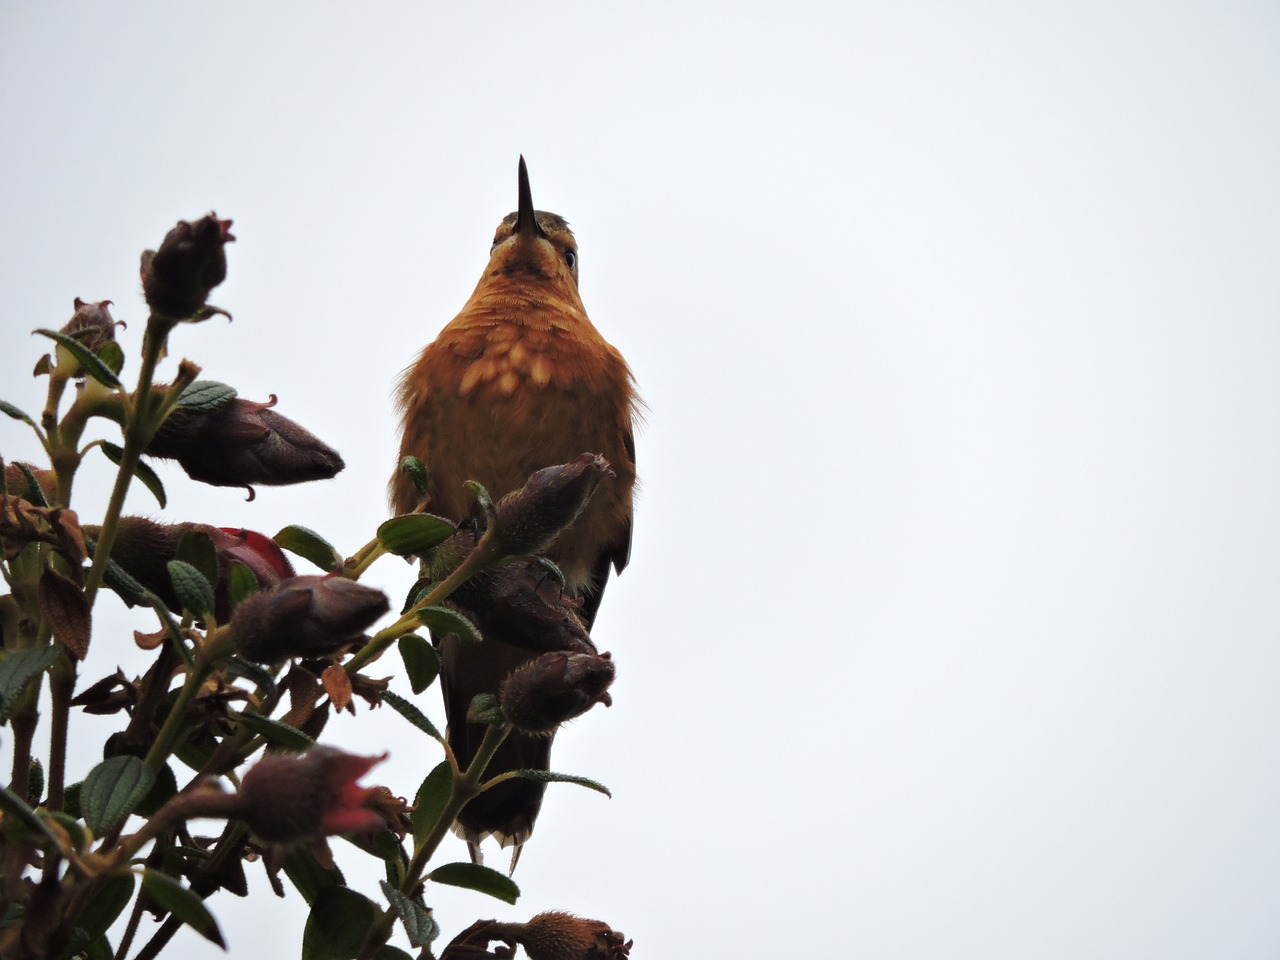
526 222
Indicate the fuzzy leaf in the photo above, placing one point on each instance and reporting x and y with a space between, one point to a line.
9 409
35 493
421 662
197 549
443 621
111 791
309 545
411 713
337 924
90 363
414 533
142 471
206 396
17 670
193 590
183 904
430 801
484 709
273 731
473 876
14 806
417 473
547 776
306 874
109 902
241 583
112 354
413 913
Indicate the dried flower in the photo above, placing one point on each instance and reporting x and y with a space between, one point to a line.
548 936
309 616
554 688
91 324
243 442
529 520
177 278
286 797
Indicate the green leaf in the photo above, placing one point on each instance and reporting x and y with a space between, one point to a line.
380 844
165 787
442 621
17 670
416 916
547 776
193 590
473 876
417 473
482 497
307 876
183 904
259 676
9 409
206 396
309 545
126 588
421 662
112 354
91 364
337 925
142 471
484 708
273 731
430 801
411 713
388 952
241 583
111 791
197 549
414 533
106 905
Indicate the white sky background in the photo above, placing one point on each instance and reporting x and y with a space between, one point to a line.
952 623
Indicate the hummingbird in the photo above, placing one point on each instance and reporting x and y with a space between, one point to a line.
519 380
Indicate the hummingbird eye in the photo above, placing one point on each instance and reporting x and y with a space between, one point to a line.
570 258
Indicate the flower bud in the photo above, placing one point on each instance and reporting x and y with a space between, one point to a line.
91 324
177 278
309 616
529 520
521 604
554 688
286 797
241 443
144 548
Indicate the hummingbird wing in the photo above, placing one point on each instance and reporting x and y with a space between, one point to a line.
616 556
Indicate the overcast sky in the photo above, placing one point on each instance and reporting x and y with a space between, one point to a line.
952 627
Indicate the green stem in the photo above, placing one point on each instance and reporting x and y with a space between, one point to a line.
177 717
485 554
62 684
138 431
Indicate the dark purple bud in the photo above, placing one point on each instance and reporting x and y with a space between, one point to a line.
309 616
144 548
177 278
529 520
522 604
243 443
286 797
555 688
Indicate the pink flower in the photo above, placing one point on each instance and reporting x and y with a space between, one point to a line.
286 797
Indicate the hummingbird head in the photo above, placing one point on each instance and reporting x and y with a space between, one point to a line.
534 241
